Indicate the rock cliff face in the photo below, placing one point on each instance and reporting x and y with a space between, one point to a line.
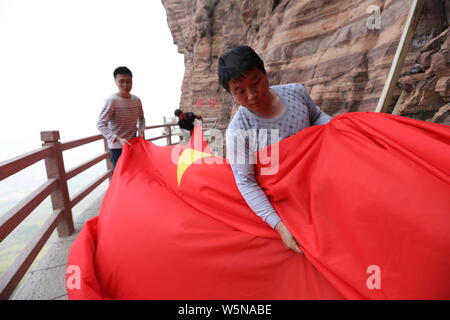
340 50
427 94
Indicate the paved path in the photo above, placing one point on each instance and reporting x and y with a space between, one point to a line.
46 278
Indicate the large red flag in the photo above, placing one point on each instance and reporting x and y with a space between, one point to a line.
366 195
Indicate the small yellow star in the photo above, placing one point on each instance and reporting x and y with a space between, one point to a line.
186 159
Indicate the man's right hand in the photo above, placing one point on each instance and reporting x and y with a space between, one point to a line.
122 141
288 240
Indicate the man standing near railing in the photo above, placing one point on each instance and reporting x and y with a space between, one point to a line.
122 115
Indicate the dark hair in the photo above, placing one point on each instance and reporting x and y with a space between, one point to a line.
122 70
178 112
235 63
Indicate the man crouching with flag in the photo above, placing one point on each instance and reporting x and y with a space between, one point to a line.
266 116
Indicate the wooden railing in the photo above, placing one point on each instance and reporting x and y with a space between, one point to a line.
55 187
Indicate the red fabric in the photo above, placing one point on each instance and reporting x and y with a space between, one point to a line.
365 189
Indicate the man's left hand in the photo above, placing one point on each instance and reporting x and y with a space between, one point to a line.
289 241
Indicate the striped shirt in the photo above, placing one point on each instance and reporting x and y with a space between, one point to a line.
120 117
247 133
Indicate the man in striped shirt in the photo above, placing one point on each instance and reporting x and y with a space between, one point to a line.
121 115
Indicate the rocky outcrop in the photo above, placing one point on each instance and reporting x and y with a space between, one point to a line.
340 50
428 92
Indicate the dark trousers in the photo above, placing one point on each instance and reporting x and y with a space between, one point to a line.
114 155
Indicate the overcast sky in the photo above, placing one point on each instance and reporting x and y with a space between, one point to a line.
57 59
56 64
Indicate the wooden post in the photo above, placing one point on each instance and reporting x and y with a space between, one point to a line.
169 138
109 165
400 100
400 55
54 165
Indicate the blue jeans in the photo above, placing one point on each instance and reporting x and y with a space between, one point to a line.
114 155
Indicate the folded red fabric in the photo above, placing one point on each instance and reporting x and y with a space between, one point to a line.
366 195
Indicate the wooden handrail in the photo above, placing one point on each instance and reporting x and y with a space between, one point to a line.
56 187
14 165
11 219
160 137
171 124
162 125
77 143
19 267
73 172
83 193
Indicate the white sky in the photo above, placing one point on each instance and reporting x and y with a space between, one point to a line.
56 64
57 59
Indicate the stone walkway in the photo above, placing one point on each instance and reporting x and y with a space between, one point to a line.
46 279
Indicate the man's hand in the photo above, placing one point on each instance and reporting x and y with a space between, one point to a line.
122 141
288 240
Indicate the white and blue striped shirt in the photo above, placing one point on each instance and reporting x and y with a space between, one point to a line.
120 117
247 134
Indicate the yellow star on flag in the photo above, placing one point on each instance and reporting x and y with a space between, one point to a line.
186 159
